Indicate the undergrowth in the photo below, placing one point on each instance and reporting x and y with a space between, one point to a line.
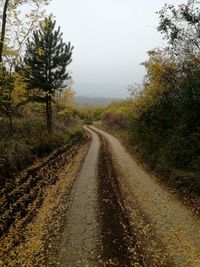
30 140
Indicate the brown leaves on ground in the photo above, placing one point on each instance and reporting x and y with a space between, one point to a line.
27 242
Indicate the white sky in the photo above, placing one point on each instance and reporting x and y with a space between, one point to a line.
111 38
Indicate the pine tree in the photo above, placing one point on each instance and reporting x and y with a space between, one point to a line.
45 60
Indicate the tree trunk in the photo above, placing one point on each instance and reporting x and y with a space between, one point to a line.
3 29
48 113
47 110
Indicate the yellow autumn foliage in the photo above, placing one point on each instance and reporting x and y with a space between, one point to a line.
19 92
160 71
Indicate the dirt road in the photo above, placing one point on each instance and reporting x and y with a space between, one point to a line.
94 233
81 239
97 230
172 223
98 208
120 216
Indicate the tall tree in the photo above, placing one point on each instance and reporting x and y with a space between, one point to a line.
16 25
180 26
46 59
3 28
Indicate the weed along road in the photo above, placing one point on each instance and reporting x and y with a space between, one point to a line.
120 216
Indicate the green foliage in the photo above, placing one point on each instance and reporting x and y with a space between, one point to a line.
180 26
90 114
165 116
16 27
46 58
45 62
163 124
19 18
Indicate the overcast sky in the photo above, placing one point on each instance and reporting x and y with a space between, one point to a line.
111 38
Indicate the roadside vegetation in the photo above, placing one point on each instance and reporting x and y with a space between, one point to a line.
160 122
37 110
40 128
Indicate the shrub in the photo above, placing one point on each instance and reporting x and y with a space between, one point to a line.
115 120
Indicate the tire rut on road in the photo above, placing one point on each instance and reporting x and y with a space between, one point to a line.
97 230
173 223
118 240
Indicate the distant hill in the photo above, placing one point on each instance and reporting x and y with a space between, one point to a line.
89 101
106 90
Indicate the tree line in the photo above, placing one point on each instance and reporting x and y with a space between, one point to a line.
162 117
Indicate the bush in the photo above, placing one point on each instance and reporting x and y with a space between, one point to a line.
115 120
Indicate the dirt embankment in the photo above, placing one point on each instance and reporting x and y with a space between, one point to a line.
28 200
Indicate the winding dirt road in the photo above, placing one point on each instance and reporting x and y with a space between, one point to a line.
99 208
120 216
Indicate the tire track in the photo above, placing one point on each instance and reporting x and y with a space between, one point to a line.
97 230
173 224
117 236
